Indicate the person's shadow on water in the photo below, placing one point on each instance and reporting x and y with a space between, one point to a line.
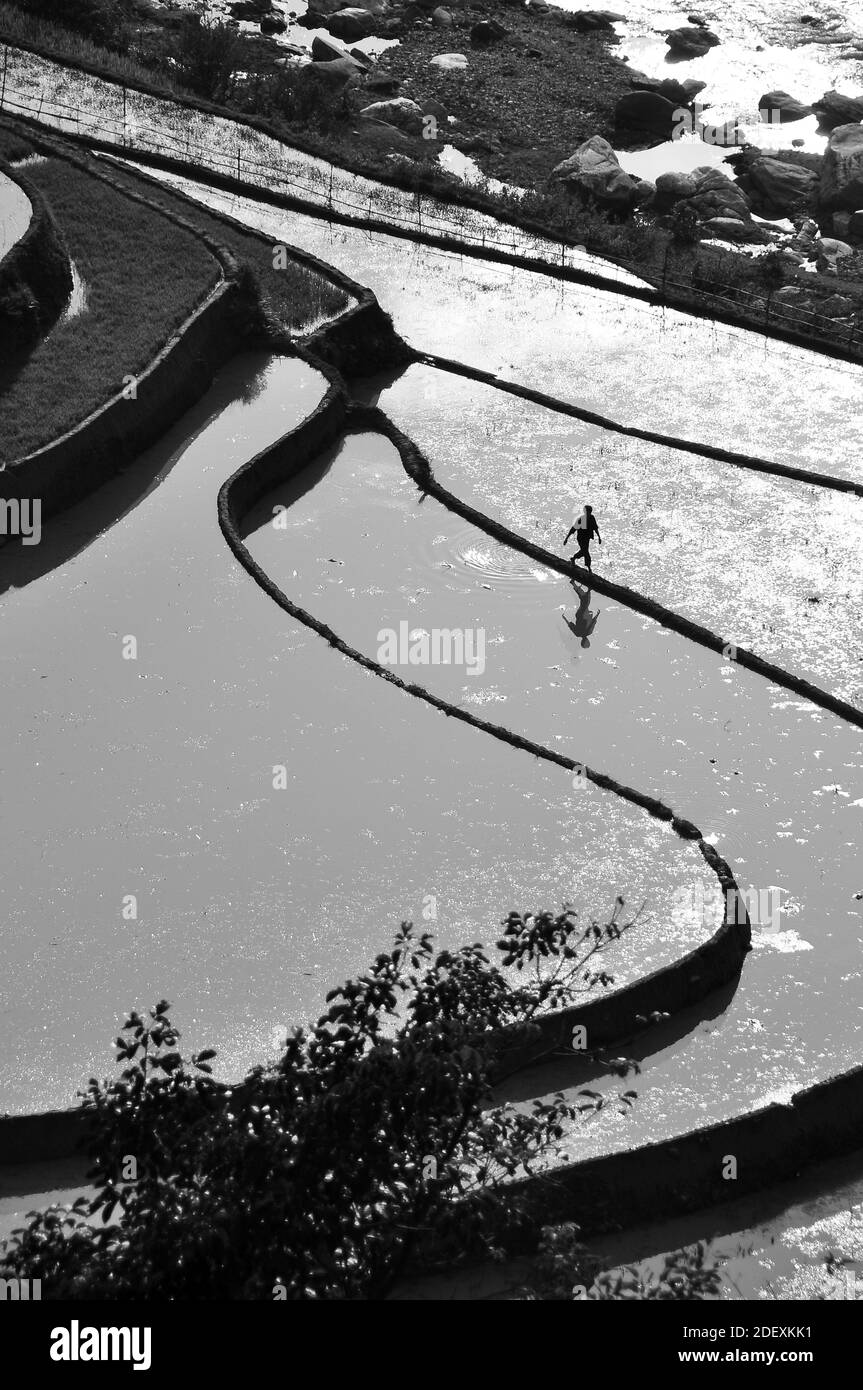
585 620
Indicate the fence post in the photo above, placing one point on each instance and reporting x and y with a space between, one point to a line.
124 114
5 61
238 163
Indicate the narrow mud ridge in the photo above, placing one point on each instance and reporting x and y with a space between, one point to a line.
419 469
668 441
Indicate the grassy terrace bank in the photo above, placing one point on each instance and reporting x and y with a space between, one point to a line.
119 317
122 314
510 117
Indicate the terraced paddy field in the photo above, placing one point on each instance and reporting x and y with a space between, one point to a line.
273 850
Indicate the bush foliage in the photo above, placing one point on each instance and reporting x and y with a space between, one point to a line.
371 1147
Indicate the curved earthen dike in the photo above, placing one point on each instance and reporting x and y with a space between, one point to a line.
37 263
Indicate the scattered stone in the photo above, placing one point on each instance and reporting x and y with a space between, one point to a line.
587 20
594 173
645 111
430 107
441 18
733 229
836 306
337 72
252 10
681 93
382 84
400 112
351 24
831 253
691 42
780 189
842 171
487 32
385 136
833 109
794 295
671 188
326 50
787 107
449 62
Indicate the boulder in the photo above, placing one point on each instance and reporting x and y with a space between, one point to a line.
326 50
487 32
842 171
441 18
400 112
692 42
726 136
716 194
830 253
645 111
335 73
383 135
587 20
430 107
681 93
672 187
252 10
273 24
833 109
594 172
351 24
779 188
381 84
855 225
449 62
317 13
733 229
779 107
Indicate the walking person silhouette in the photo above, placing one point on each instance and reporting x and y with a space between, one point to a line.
584 528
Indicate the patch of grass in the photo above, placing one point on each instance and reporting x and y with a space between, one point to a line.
14 146
67 45
293 299
142 276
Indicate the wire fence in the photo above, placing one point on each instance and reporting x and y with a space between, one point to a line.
148 124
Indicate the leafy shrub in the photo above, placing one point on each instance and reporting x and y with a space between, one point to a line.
370 1145
207 54
684 225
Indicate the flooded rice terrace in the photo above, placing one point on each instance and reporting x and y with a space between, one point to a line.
251 901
